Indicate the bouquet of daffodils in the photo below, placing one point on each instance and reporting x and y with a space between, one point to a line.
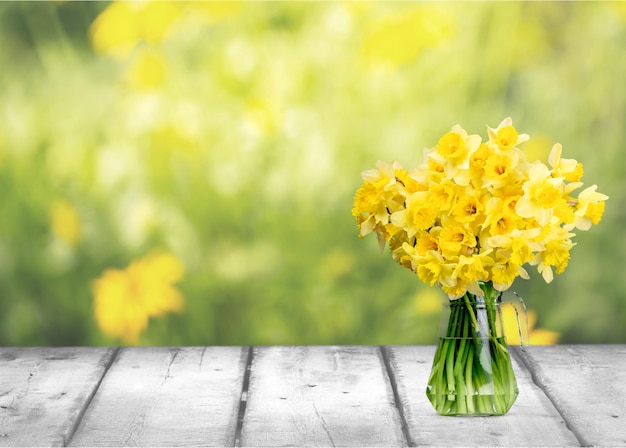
476 212
468 219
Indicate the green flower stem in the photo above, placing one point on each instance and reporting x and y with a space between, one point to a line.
470 311
450 366
462 358
468 376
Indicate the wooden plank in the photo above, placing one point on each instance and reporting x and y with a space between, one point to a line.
159 396
43 392
532 421
320 396
587 383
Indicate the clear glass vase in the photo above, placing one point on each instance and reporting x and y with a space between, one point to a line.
472 372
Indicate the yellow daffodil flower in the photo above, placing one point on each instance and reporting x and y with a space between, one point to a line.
444 195
501 218
456 240
457 289
541 194
520 244
428 241
590 208
382 193
473 268
501 170
570 169
468 209
557 242
505 136
418 214
433 268
478 160
454 151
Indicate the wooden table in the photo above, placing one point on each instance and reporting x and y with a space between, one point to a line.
297 396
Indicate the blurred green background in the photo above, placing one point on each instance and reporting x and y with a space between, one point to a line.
232 135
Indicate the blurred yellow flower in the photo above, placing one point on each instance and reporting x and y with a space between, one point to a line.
536 336
214 11
336 264
265 117
147 71
124 300
65 222
427 302
170 138
122 25
398 37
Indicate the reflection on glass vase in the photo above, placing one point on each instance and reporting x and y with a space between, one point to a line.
472 372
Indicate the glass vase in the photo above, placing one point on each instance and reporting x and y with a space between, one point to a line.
472 372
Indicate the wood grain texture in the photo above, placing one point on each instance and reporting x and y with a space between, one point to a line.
158 396
43 392
532 421
587 383
320 396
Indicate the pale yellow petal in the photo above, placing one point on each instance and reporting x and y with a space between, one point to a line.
555 155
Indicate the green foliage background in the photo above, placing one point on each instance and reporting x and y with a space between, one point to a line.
245 161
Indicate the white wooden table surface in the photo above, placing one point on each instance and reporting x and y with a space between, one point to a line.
297 396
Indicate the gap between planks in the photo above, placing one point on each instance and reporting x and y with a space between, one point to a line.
531 367
76 424
396 395
244 397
